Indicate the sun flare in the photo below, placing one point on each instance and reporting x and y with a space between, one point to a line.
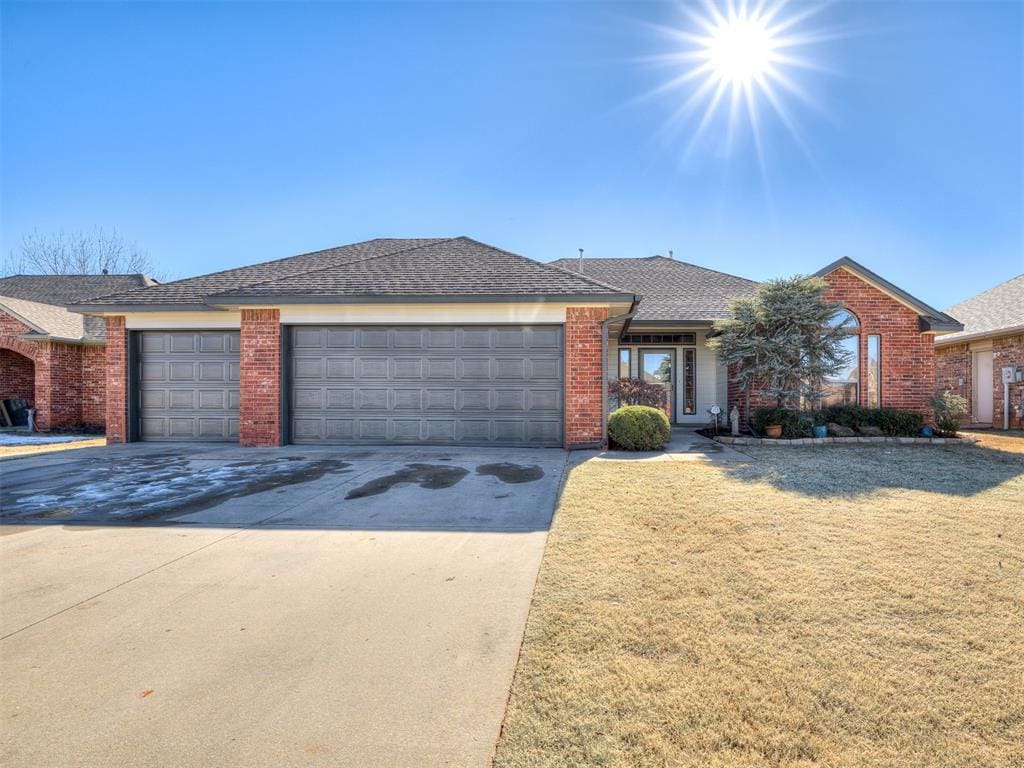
740 49
741 56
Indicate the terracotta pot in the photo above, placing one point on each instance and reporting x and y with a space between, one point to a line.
774 431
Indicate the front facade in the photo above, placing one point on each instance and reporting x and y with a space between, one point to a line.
52 358
891 344
972 362
441 341
444 341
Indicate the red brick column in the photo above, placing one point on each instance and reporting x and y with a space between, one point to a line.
58 385
583 376
260 362
117 380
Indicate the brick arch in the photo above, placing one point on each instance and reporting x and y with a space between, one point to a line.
17 371
21 347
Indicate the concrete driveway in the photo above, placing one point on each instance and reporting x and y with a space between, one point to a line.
197 605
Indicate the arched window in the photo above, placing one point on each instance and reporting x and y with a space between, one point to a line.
844 387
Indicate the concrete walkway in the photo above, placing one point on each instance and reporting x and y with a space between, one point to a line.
685 445
203 605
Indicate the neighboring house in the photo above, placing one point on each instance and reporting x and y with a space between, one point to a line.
970 362
448 341
53 358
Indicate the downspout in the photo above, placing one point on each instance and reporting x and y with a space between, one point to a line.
604 367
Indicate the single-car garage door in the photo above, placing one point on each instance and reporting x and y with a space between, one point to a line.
188 385
475 385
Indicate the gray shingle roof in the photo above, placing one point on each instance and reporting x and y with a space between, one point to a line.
65 290
996 309
672 290
443 267
45 319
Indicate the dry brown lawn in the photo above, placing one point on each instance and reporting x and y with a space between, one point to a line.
836 606
1012 441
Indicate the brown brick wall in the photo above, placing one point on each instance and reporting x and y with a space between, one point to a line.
117 380
908 356
58 385
17 376
1007 351
952 364
94 385
64 382
583 376
260 363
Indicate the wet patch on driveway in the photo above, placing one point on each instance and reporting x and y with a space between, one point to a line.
157 487
512 473
430 476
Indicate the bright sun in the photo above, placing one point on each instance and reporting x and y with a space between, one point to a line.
740 49
741 53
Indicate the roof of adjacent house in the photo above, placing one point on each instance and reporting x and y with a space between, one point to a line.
673 291
41 301
46 320
444 268
65 290
997 310
931 320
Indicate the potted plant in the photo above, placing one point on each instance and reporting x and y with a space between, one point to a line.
773 431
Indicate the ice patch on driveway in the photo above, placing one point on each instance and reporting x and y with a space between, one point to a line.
150 488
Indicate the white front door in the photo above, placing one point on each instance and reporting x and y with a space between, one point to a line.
983 387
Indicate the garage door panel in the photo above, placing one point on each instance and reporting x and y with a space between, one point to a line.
478 385
341 368
188 385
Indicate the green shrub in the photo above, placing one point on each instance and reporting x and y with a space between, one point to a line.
862 420
639 428
794 424
890 420
948 407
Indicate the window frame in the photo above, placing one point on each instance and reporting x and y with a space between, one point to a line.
877 368
629 362
852 323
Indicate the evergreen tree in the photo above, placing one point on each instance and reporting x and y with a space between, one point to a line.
783 341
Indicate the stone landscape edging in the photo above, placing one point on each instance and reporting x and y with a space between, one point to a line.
800 441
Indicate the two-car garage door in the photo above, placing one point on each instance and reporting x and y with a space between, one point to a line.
500 385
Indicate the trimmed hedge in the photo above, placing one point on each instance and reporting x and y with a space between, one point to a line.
796 424
639 428
891 421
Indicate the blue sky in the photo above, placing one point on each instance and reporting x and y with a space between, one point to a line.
223 134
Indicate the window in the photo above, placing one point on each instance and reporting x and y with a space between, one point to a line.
874 383
625 360
843 388
660 338
689 381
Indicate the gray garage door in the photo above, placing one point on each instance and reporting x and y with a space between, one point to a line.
188 385
475 385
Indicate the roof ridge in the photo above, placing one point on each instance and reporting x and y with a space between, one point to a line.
77 274
663 258
433 241
546 265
